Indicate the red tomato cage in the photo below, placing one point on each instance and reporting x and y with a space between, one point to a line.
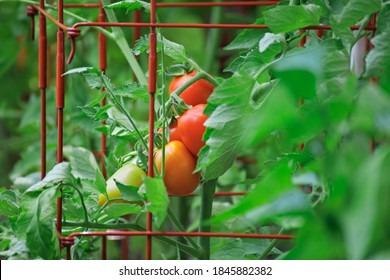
72 32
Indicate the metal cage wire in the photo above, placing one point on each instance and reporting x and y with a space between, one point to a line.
72 33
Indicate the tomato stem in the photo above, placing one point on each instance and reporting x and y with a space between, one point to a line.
81 198
118 104
181 228
213 38
207 196
121 41
270 246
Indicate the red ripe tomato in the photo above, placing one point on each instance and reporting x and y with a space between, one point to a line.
179 178
191 128
195 94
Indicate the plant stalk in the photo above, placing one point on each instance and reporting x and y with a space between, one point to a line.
207 197
121 41
180 227
270 246
213 38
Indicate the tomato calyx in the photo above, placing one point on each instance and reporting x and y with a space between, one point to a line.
179 69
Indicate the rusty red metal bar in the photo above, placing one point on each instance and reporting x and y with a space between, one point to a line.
102 44
60 98
152 80
104 247
103 66
201 25
174 233
42 83
191 4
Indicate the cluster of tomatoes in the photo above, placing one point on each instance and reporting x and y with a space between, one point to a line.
181 151
185 138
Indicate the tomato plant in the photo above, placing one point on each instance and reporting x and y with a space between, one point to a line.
179 167
191 128
287 97
196 93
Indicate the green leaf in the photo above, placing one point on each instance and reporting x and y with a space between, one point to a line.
243 249
59 173
82 161
121 122
277 111
251 62
351 14
8 204
247 39
274 41
378 59
91 75
93 80
179 69
275 182
36 223
132 91
282 19
175 51
228 109
365 217
141 45
130 5
96 113
281 210
100 182
355 10
336 72
129 193
82 70
117 210
16 248
372 111
158 200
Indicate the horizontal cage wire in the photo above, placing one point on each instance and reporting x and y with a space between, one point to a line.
72 32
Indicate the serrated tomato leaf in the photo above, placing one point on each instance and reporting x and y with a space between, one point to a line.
247 39
158 201
282 19
36 223
228 109
130 5
82 161
117 210
59 173
129 193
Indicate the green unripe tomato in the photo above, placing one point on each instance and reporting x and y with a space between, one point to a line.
129 174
